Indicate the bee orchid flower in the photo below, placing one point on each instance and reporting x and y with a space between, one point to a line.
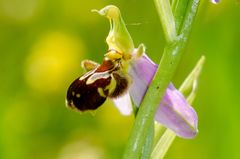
124 77
174 112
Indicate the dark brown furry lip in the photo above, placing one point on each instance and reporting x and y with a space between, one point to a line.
91 90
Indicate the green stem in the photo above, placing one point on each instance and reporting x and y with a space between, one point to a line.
163 145
158 132
148 147
166 18
179 12
167 67
190 15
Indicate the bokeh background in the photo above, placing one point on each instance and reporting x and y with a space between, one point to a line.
41 46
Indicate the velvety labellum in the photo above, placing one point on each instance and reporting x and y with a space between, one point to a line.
86 96
90 91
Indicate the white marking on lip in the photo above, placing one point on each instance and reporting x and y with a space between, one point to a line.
96 76
87 74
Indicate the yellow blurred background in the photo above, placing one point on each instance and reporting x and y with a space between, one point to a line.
41 46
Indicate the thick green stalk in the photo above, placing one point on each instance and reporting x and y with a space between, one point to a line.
167 67
148 147
179 12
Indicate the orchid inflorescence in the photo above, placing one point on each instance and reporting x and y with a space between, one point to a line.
124 76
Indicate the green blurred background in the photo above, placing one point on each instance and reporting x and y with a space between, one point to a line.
42 43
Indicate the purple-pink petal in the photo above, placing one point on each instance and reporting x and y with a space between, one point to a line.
174 111
142 71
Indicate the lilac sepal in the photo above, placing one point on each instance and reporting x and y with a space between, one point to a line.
174 111
142 70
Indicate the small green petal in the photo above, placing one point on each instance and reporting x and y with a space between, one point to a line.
118 38
189 86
